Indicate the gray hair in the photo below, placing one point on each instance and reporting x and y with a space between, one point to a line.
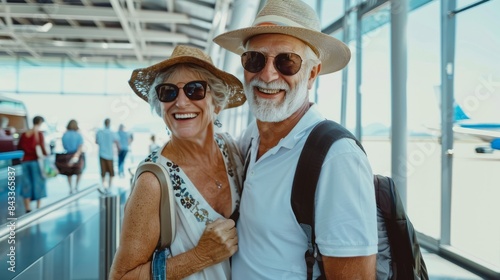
218 87
310 58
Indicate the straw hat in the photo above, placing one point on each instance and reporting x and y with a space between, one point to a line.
294 18
142 79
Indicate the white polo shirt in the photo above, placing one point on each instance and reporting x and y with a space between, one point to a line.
271 242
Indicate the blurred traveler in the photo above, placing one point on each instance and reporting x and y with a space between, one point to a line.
125 139
188 92
105 138
153 146
4 131
72 142
34 184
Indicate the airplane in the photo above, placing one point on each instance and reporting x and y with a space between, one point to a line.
486 131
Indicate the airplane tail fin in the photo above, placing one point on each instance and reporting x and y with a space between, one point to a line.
459 114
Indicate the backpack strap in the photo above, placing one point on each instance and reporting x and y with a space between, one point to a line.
306 179
234 155
167 203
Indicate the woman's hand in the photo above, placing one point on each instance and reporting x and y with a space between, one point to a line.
218 242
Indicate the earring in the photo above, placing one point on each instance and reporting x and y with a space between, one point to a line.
168 130
217 123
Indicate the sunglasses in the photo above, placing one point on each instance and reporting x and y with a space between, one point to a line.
194 90
287 64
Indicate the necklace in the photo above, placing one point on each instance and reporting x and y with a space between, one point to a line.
218 183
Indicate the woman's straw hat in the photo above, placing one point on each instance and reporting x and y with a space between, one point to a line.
294 18
142 79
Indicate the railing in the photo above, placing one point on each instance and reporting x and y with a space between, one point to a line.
60 255
31 217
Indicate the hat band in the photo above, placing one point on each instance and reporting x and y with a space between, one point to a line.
276 20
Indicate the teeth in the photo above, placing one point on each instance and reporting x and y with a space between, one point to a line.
185 116
268 91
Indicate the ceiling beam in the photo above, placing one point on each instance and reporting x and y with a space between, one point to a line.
67 12
124 22
97 34
14 36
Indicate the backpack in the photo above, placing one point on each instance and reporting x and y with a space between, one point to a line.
405 258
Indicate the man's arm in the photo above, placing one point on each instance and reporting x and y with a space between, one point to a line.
350 268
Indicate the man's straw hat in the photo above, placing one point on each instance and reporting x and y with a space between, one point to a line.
142 79
294 18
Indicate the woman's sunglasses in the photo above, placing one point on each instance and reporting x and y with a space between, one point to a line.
287 64
194 90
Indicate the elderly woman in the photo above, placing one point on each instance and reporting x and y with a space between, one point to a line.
188 92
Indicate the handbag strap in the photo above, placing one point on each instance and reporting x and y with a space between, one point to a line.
167 203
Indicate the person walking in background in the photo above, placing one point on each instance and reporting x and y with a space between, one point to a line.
125 139
34 184
282 54
153 146
4 132
106 138
72 142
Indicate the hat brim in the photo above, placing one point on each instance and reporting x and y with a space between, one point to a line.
333 53
142 79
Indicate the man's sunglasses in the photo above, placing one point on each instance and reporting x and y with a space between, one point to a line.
194 90
287 64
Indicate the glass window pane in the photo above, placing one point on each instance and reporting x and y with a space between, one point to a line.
8 79
87 80
424 151
117 81
475 175
331 11
38 78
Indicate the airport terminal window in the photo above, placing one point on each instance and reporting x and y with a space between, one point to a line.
62 77
376 81
331 11
328 90
39 79
77 80
117 81
476 178
424 151
8 77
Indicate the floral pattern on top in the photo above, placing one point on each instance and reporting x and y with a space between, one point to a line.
181 191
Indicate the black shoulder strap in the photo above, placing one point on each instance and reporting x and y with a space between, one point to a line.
306 178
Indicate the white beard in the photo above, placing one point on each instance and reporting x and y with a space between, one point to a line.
276 111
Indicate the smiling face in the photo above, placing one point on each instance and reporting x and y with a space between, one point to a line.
273 97
188 119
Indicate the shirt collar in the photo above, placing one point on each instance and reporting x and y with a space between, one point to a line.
305 125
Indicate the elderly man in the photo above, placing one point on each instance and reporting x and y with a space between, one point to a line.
282 54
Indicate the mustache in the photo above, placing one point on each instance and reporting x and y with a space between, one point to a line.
280 85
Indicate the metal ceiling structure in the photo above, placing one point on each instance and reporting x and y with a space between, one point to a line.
131 30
